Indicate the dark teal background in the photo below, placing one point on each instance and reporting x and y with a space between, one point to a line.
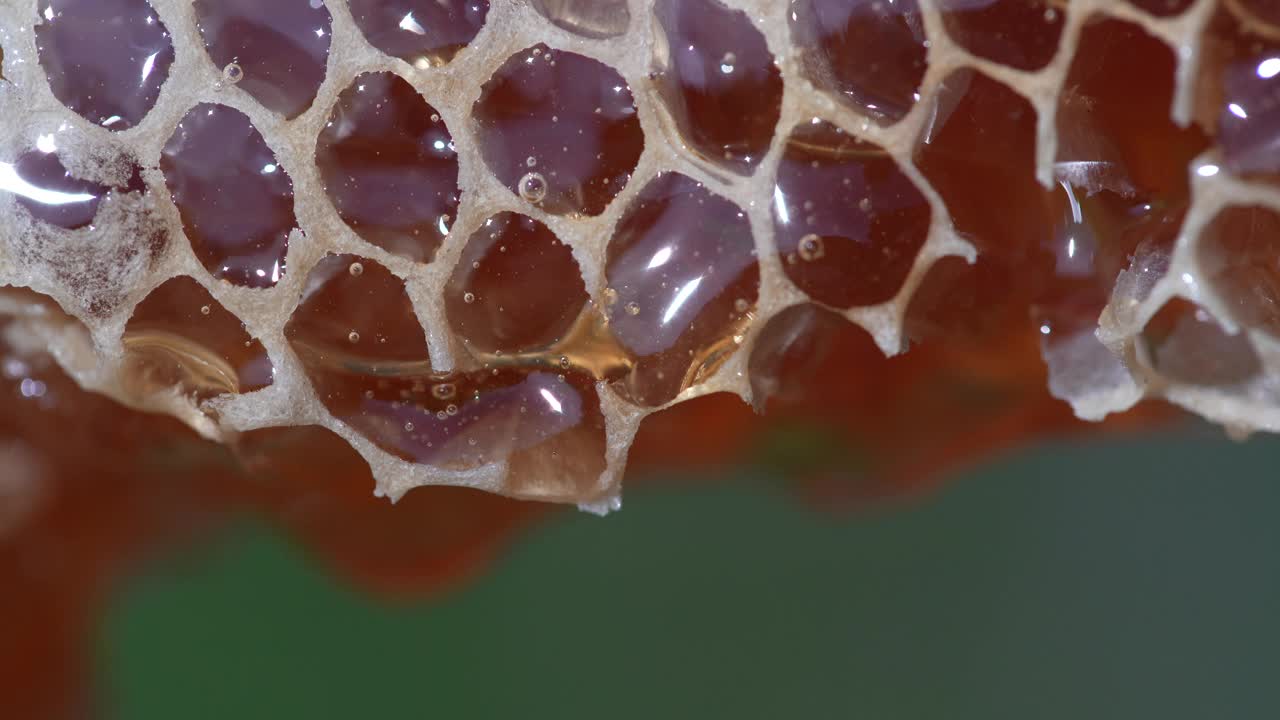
1116 580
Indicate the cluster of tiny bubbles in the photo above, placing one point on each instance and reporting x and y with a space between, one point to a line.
632 308
533 187
811 247
356 269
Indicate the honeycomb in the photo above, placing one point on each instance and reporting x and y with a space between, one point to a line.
481 241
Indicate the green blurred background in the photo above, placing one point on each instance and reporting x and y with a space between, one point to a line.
1133 579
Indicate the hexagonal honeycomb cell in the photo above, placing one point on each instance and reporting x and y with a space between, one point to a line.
276 52
597 19
559 129
682 283
482 242
842 205
498 299
180 338
106 61
1021 34
423 33
721 84
872 54
388 165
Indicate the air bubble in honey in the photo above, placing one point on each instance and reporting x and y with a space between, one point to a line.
810 247
533 187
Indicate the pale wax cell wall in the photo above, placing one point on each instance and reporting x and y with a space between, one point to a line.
481 241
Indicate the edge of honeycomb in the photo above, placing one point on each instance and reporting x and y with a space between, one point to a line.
90 349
